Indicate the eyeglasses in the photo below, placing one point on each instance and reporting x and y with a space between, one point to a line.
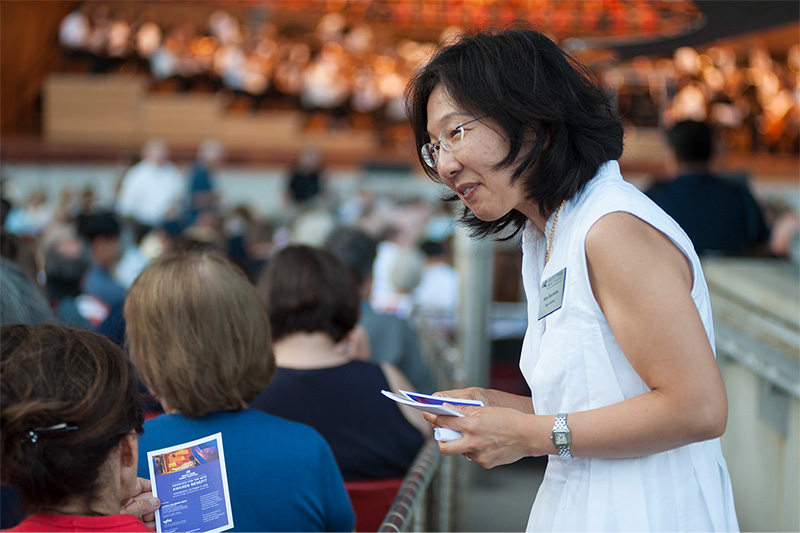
449 138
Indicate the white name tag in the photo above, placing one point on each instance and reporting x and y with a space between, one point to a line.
552 293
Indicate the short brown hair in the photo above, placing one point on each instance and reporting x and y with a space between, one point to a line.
308 289
198 334
58 375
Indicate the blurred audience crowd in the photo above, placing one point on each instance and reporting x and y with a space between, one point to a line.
84 253
335 71
164 269
352 74
751 99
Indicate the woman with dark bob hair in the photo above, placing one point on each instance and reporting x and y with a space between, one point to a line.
313 304
71 417
201 341
627 398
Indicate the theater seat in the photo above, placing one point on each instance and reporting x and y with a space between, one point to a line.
371 500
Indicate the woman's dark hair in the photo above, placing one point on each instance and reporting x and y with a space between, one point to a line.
532 89
55 375
307 289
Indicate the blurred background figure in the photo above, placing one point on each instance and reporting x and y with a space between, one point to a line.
203 196
102 233
313 306
405 276
305 181
66 261
152 190
439 286
32 218
391 339
719 215
22 301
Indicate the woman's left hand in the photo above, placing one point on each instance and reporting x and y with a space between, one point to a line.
142 504
492 436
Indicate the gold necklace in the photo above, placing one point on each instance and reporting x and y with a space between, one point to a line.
553 232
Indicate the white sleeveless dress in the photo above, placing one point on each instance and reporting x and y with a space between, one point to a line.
572 362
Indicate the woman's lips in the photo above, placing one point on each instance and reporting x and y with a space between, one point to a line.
467 190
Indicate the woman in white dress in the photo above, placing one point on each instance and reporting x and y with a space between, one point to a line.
627 398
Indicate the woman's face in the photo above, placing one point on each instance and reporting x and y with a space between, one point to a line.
469 169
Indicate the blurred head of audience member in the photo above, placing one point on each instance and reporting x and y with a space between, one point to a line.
198 334
357 251
22 301
18 250
692 143
66 260
71 418
102 231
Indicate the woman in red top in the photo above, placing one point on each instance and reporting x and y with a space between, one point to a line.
70 424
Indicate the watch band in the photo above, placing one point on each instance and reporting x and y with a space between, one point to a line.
561 430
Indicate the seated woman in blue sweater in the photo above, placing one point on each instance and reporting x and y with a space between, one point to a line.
313 304
201 341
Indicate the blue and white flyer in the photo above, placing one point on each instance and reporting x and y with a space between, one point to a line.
191 481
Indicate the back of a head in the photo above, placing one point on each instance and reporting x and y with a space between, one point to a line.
69 396
691 141
66 259
22 302
198 334
309 290
432 249
355 249
406 272
103 224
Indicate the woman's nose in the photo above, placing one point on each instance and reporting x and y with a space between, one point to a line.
447 166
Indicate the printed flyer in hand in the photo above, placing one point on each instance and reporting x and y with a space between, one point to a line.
192 483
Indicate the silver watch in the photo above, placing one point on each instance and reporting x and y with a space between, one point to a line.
561 436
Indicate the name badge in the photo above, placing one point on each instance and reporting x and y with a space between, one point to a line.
552 293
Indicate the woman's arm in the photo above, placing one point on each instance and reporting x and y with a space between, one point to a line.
643 285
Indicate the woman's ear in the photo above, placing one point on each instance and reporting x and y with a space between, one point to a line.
128 452
129 449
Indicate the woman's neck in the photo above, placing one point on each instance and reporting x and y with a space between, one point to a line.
104 506
308 350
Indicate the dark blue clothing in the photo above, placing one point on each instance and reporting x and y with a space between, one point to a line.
719 215
282 475
201 183
368 434
11 512
99 283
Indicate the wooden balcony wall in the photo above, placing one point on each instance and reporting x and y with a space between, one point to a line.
81 109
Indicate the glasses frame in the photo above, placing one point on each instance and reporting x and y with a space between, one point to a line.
430 150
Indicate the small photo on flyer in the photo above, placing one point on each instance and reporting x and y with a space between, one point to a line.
192 483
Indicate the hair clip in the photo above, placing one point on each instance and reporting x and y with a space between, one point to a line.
57 430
